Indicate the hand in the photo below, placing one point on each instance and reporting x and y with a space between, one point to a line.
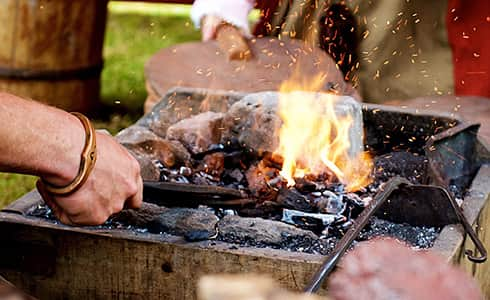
209 25
114 183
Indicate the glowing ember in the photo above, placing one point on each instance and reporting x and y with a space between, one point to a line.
316 138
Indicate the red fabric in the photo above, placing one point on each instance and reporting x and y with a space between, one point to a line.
468 26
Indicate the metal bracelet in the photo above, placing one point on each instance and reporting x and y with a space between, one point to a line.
87 162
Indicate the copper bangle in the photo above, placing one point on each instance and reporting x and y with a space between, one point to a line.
87 161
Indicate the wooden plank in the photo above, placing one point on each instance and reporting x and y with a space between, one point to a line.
101 266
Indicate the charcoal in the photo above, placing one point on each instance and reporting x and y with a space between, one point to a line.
419 237
257 177
236 229
188 222
332 204
309 221
138 217
200 180
292 199
404 164
272 160
214 148
232 176
142 142
150 169
214 164
180 179
43 211
198 132
241 159
185 171
196 235
220 212
329 194
265 209
277 182
356 200
335 187
305 186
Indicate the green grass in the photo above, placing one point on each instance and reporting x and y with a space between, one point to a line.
12 186
134 32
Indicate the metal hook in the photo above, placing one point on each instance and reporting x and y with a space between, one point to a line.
380 198
331 261
468 229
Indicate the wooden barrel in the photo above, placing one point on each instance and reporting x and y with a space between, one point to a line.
52 50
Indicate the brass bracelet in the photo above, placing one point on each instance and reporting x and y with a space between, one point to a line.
87 161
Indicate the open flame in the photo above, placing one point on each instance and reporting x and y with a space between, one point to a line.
315 139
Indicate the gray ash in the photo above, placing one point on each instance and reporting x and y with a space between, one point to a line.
404 164
322 246
418 237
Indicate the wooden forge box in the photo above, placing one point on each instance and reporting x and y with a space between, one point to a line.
53 261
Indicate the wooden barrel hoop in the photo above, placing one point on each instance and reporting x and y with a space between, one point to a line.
74 74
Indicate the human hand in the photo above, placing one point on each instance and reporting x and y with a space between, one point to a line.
114 183
209 26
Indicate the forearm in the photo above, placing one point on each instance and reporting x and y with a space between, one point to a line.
39 140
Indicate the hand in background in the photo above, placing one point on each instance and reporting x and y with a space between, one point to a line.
209 26
209 14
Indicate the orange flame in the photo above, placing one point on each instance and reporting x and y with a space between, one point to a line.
315 139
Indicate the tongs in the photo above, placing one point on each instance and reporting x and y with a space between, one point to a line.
192 195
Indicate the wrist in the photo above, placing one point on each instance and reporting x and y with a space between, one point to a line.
66 163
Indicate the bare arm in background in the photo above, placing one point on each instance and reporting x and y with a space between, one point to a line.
47 142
